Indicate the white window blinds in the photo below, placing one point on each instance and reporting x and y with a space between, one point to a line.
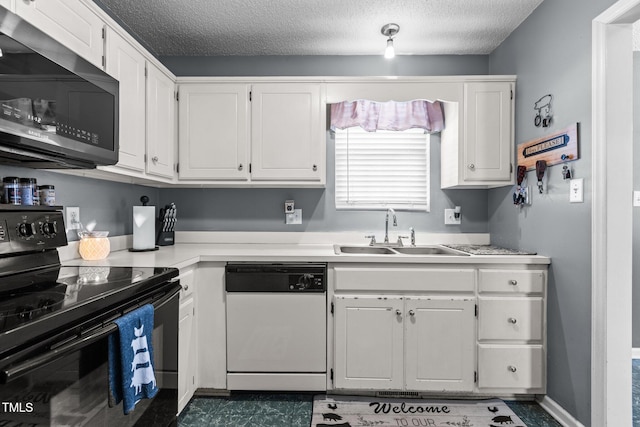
383 169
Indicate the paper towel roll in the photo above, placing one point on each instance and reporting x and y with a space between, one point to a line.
144 227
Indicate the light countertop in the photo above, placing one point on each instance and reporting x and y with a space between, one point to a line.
182 255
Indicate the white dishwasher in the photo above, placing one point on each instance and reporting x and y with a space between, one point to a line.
276 326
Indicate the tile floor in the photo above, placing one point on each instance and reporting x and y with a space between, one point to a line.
294 410
635 375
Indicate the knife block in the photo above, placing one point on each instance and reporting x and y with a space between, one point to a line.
164 238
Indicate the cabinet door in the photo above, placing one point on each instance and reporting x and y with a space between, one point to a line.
187 354
160 122
286 137
440 344
127 65
368 343
213 131
488 140
68 21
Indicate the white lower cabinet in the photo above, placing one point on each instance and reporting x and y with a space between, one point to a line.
413 343
187 339
511 331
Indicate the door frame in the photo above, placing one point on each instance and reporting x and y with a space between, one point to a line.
611 219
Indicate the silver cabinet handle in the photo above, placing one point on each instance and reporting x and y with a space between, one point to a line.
412 313
185 287
398 313
512 368
240 167
154 159
512 320
471 166
513 282
315 168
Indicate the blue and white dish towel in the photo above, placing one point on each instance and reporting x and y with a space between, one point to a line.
131 376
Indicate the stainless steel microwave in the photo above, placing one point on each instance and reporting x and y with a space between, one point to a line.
57 110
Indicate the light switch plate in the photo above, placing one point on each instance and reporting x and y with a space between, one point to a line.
450 218
293 218
576 191
636 198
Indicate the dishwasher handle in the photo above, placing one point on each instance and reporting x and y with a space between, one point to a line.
13 372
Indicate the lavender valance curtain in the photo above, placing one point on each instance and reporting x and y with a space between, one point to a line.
390 115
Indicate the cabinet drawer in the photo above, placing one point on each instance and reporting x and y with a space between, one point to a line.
511 367
512 281
187 281
405 278
510 319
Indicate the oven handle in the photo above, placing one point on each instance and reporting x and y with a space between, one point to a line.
50 356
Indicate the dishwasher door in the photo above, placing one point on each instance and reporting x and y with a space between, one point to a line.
276 332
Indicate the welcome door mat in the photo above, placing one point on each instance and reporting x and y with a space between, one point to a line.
352 411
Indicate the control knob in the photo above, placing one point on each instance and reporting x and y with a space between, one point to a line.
305 281
49 229
26 230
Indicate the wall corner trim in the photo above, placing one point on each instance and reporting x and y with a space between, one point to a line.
558 412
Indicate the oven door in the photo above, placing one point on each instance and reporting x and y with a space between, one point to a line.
69 385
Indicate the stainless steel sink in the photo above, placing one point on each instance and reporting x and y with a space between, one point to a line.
405 250
370 250
427 250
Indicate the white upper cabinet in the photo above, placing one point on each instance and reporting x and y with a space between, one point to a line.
214 131
70 22
487 142
252 134
477 143
160 123
8 4
285 131
127 65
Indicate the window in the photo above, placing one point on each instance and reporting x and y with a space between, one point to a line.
383 169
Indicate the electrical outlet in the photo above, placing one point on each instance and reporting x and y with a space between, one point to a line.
73 218
294 218
450 217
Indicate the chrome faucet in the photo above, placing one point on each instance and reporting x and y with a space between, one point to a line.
386 224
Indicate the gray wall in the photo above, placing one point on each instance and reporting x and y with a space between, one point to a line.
551 53
363 65
262 209
108 203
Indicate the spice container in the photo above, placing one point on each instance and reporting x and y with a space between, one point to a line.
11 186
28 189
94 245
47 195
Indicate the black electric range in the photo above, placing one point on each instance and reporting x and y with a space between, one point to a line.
56 318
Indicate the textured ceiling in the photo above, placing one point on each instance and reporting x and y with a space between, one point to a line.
328 27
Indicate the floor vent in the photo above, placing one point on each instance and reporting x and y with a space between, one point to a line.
398 394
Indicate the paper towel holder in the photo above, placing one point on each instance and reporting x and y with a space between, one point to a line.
144 200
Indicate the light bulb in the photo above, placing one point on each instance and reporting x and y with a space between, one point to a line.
389 52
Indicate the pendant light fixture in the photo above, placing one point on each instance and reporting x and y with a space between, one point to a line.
389 31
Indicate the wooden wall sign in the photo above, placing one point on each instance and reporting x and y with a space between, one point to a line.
559 147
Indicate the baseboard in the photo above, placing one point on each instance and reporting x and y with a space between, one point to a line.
635 353
558 412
